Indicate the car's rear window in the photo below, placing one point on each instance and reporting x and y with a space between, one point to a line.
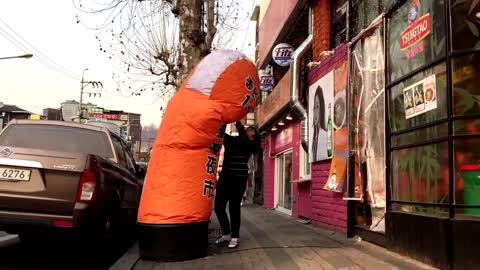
57 138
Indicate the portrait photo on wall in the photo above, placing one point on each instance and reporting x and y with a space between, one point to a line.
320 118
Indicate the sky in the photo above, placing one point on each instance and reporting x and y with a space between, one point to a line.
51 27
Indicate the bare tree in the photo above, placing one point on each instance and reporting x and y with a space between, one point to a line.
155 43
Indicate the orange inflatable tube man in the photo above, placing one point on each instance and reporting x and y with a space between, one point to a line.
177 197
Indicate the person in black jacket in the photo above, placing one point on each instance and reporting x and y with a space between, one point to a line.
233 180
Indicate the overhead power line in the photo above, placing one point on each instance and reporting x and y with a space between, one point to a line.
23 48
23 44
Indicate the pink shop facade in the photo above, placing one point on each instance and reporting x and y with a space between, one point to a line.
292 183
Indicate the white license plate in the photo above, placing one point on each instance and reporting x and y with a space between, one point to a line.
11 174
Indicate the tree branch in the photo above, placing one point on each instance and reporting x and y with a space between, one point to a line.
211 26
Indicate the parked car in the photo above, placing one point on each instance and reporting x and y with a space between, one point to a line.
68 176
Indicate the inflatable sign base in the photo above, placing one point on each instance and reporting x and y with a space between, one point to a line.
173 242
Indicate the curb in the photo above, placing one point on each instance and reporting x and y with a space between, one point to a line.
128 259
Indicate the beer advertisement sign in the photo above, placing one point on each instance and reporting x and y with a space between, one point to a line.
282 54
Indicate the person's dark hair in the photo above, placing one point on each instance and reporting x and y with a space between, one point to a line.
321 106
251 128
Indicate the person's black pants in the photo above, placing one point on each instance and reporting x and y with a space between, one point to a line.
230 188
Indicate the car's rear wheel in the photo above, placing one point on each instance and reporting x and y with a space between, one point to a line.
112 220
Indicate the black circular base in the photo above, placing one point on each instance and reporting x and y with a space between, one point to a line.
173 242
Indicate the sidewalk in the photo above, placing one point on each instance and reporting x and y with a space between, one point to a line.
273 241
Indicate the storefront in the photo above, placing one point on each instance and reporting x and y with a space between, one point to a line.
414 128
282 151
286 186
295 180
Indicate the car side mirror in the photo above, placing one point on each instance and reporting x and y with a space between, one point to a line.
140 172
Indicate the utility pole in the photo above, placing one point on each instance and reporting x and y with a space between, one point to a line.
83 84
80 113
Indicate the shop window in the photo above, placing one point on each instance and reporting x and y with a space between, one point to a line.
468 212
420 174
466 127
467 173
416 37
466 84
420 135
465 24
367 139
419 100
305 165
439 211
339 22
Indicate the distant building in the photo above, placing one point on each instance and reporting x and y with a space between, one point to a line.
71 110
10 112
125 124
53 114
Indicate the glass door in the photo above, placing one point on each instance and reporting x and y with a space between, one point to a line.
284 182
287 179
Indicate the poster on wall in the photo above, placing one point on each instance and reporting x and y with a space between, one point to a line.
420 97
320 114
338 169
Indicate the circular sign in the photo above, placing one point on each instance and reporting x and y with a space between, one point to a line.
266 80
282 54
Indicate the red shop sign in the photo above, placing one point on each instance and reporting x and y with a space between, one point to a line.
416 32
105 116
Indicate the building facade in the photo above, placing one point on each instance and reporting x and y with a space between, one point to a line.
125 124
370 127
52 114
10 112
291 183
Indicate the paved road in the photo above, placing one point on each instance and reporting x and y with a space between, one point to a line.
65 254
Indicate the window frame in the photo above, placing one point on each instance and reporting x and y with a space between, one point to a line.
129 156
336 28
451 206
117 140
305 165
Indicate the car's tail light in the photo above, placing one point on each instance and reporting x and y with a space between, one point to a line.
86 187
62 223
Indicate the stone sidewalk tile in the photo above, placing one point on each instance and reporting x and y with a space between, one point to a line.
273 241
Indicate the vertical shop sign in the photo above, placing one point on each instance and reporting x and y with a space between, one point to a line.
420 97
266 80
338 168
320 114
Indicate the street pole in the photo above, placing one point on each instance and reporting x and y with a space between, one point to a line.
83 83
81 97
27 55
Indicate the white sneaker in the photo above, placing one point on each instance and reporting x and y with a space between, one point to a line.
223 239
233 243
